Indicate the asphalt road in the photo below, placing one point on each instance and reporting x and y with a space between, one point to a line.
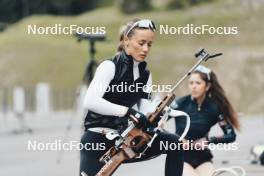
17 159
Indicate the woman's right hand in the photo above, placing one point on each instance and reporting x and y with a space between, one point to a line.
139 118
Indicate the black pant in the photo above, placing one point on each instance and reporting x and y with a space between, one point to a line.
89 159
197 157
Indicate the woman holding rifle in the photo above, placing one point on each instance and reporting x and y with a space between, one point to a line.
110 109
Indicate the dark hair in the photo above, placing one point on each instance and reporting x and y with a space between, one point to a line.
123 31
219 96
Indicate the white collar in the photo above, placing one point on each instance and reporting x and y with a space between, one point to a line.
136 63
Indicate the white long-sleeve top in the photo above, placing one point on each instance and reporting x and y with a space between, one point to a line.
104 74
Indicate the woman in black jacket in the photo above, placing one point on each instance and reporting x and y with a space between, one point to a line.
109 107
206 105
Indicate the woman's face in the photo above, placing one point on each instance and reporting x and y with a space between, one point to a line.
139 44
197 86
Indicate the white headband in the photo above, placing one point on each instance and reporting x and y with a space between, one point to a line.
204 70
145 23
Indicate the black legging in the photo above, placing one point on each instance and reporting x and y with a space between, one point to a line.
89 159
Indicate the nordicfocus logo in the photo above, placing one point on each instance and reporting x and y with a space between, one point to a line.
165 145
58 145
59 29
191 29
137 87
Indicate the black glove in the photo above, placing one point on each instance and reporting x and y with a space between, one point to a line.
140 119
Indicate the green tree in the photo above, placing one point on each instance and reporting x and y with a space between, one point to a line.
180 4
13 10
133 6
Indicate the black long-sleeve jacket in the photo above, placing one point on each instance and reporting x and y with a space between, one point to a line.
202 119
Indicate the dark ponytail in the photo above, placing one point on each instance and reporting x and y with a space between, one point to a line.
217 93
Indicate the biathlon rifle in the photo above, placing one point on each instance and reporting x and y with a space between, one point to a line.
132 139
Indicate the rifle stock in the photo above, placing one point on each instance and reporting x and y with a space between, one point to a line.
135 139
110 167
133 142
